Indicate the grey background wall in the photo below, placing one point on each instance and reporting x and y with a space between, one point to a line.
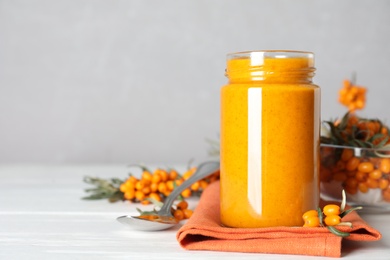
93 81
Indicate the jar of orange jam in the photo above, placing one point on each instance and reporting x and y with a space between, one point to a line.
270 139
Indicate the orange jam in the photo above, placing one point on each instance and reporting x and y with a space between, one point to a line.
270 129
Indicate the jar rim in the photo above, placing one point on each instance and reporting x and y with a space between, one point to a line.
278 54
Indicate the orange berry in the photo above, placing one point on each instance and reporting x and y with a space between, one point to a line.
178 214
164 175
146 190
153 187
331 209
352 164
132 179
182 205
366 167
203 184
346 154
312 221
383 184
173 174
351 190
310 213
371 183
146 175
361 176
195 186
126 186
170 185
129 195
162 187
156 177
375 174
385 165
139 195
363 187
186 193
351 182
155 196
179 182
187 174
187 213
139 185
332 220
145 202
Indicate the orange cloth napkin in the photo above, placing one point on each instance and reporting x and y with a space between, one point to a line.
203 231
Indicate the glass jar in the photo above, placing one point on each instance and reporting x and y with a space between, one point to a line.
270 139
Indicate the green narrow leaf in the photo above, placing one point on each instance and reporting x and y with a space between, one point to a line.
337 232
349 210
320 216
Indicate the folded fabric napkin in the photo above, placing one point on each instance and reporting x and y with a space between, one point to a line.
204 231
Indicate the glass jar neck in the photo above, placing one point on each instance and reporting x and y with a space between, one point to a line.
282 67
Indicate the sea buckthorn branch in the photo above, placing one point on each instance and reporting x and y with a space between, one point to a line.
352 96
330 216
156 185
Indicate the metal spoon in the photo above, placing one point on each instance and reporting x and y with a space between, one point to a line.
164 218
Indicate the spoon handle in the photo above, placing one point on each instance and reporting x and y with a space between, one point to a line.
203 170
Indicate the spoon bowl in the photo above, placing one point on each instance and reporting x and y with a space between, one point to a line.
164 219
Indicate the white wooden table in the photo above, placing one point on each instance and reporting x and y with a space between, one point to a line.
43 217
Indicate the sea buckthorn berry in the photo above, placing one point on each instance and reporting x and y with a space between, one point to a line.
182 205
195 186
173 174
170 185
363 187
331 209
153 187
162 187
145 202
179 182
164 175
146 190
132 179
351 190
146 175
385 165
383 184
156 178
187 174
366 167
129 195
352 164
346 154
332 220
155 196
312 221
186 193
187 213
351 182
310 213
361 176
139 185
371 183
178 214
139 195
203 184
375 174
